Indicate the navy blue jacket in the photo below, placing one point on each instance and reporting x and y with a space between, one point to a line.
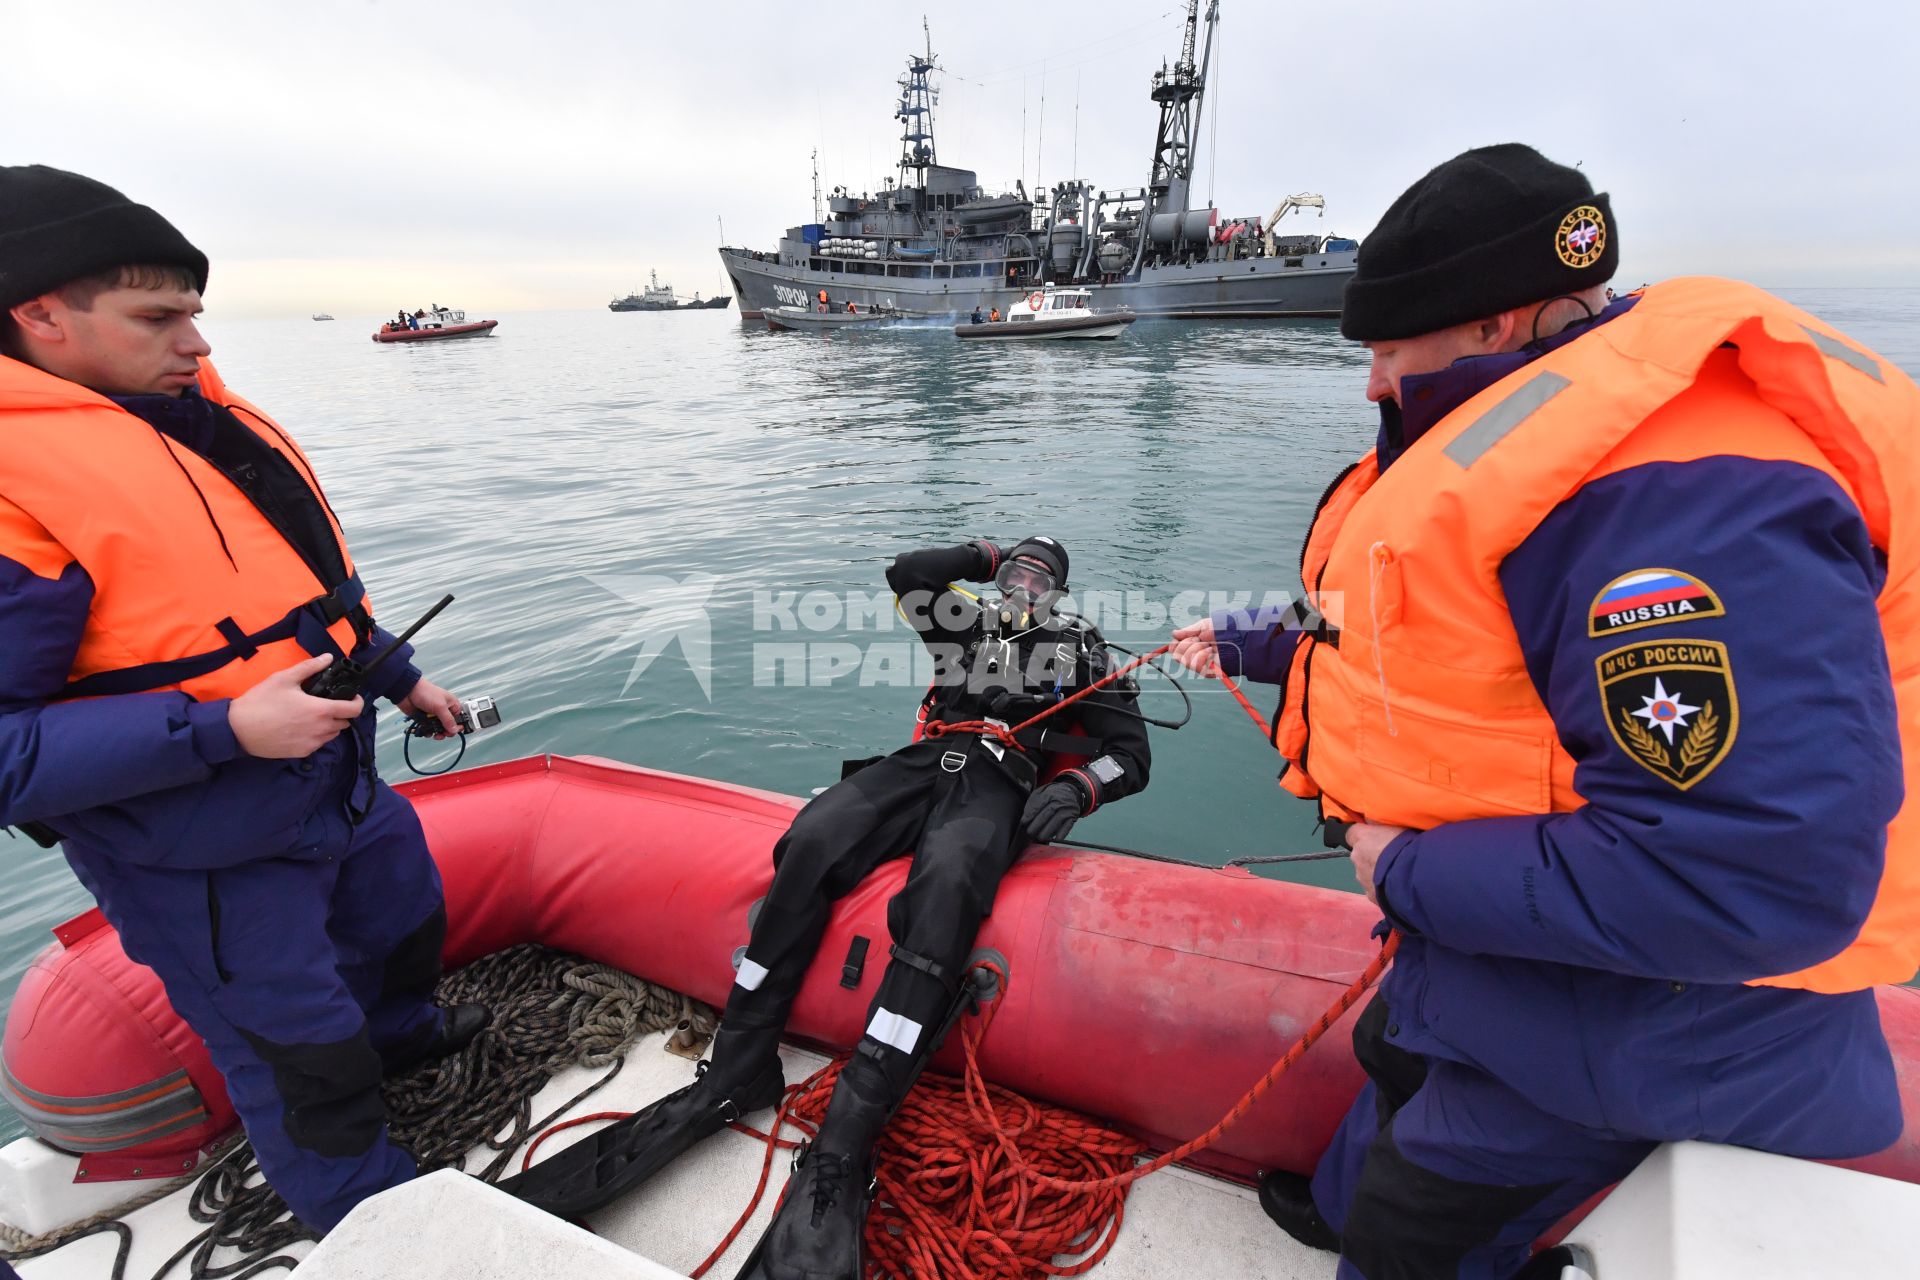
155 779
1593 960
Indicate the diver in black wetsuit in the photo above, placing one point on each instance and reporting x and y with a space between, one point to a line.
962 804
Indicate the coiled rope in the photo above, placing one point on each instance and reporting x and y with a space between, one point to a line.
976 1182
550 1011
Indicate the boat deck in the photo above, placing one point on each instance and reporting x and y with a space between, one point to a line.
1177 1224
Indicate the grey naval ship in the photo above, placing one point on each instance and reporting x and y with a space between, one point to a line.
934 243
660 297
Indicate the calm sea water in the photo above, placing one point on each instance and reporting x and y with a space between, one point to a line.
590 484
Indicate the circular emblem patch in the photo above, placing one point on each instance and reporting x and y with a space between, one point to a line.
1582 237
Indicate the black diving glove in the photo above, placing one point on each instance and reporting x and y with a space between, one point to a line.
989 558
1053 809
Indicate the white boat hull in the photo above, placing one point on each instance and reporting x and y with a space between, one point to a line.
1081 328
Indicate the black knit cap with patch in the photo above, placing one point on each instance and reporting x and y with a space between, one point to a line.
56 227
1491 229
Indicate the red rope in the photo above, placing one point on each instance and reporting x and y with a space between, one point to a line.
985 728
526 1161
1241 698
774 1143
948 1203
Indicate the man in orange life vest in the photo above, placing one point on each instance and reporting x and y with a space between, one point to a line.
170 573
1598 659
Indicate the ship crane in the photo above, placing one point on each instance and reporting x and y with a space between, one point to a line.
1167 218
1287 205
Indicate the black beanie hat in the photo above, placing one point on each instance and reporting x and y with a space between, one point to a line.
1047 552
1491 229
56 227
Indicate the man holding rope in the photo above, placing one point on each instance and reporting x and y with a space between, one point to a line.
1602 667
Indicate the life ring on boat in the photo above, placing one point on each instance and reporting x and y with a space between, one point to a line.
1035 300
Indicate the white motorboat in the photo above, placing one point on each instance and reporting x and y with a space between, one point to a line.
1050 313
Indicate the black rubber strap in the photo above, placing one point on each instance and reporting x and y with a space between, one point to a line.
856 964
932 968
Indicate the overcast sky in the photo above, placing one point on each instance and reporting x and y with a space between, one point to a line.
355 155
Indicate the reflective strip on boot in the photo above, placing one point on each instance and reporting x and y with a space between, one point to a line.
750 976
894 1029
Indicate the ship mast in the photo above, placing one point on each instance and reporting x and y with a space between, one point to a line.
1179 91
915 114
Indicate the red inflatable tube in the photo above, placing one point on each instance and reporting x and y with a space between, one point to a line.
1148 994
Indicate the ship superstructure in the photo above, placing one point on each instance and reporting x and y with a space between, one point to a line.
934 242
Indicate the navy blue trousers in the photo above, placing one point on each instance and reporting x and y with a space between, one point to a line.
1441 1172
299 972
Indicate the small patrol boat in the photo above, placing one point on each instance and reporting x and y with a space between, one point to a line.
1051 313
1148 993
799 318
443 322
321 315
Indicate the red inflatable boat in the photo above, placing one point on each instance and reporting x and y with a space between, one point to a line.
428 333
1149 994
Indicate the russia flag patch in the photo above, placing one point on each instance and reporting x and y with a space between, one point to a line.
1649 597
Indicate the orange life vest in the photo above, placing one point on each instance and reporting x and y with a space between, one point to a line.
1414 707
194 589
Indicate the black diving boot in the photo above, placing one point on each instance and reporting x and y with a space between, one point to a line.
1562 1262
820 1232
1288 1200
593 1173
458 1026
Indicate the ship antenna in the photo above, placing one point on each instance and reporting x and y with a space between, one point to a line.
933 154
1212 108
915 113
816 185
1040 141
1076 125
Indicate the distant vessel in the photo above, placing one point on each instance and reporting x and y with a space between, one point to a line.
659 297
440 323
934 242
321 315
1050 315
